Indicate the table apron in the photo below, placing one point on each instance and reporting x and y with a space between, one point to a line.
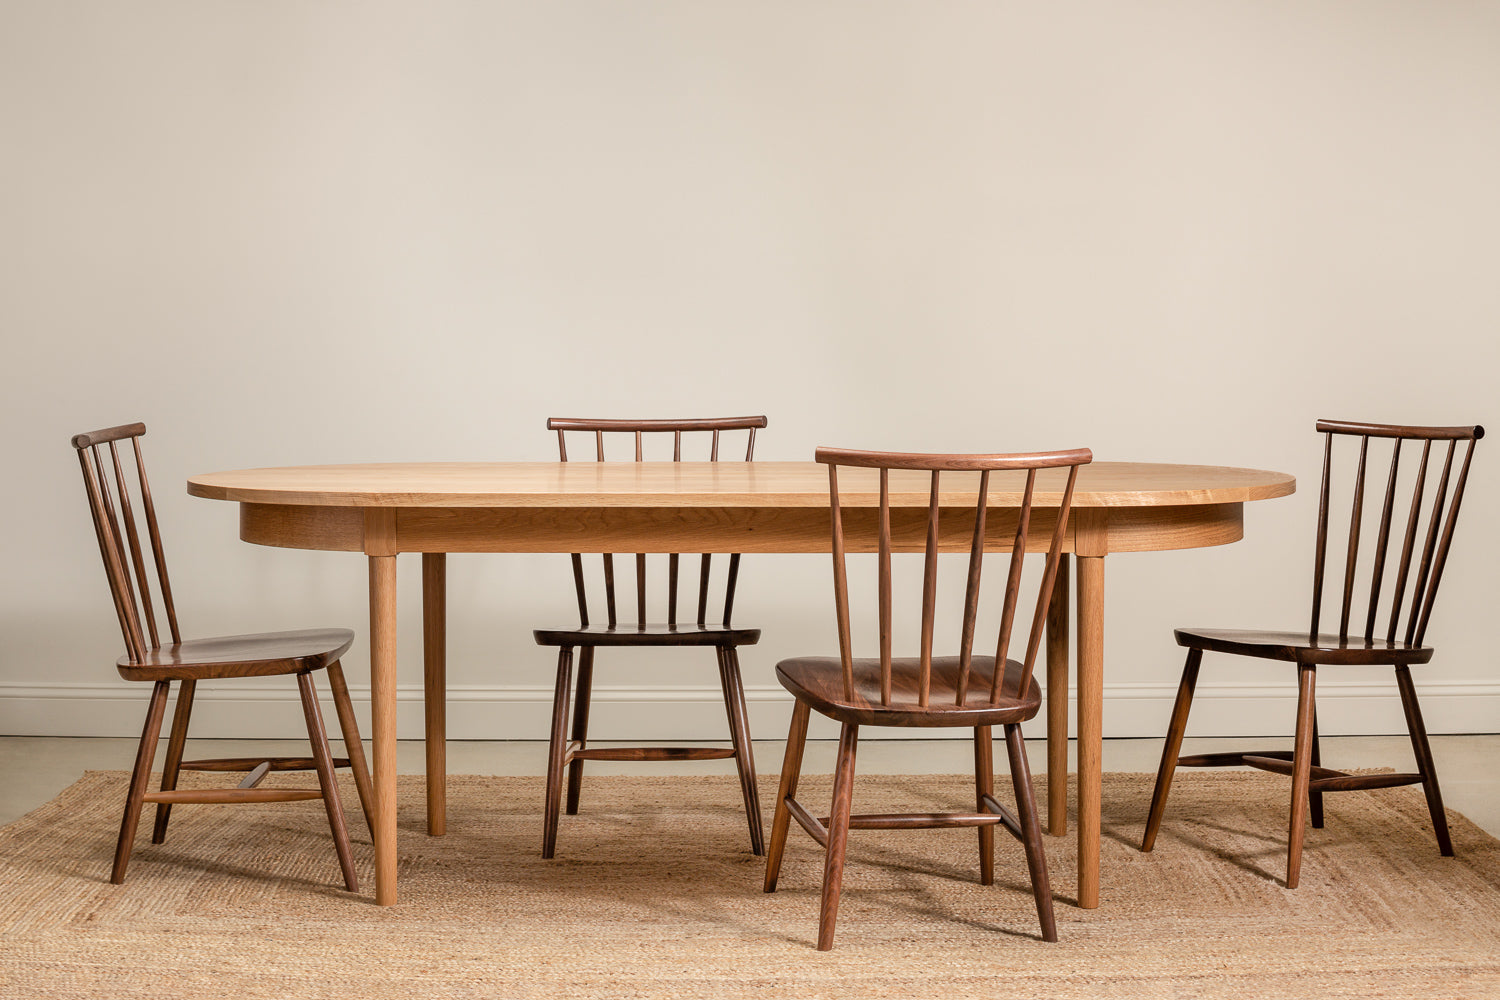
725 529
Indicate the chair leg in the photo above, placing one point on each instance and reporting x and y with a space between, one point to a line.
139 779
557 750
1031 827
354 747
791 770
739 733
1315 799
984 784
172 766
1173 747
317 735
1425 763
585 691
1301 771
838 834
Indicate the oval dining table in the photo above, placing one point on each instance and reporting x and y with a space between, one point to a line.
383 510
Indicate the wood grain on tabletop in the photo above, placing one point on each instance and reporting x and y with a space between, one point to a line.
751 484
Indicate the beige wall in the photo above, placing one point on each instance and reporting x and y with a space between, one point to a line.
318 232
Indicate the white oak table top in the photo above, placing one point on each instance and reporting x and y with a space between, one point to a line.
716 484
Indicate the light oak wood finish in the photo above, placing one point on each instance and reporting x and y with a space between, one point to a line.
1090 722
701 528
435 686
688 507
1057 704
383 720
130 545
1405 584
590 485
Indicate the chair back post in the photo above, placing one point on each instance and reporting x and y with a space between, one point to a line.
886 462
118 533
637 429
1436 539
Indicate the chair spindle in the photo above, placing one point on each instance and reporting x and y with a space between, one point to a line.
157 552
1382 543
885 586
929 591
841 586
1352 557
1013 584
1408 544
1423 568
1445 543
971 591
1322 543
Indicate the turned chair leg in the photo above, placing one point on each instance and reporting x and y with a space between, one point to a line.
1425 765
1315 798
353 745
1173 747
1031 829
791 770
1301 771
557 750
139 779
739 734
838 834
172 766
585 691
984 784
317 735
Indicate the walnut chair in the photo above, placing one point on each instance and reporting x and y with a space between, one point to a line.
966 690
1423 555
569 752
148 658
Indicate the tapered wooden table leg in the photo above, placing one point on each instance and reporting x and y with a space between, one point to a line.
435 686
1057 703
1090 723
383 699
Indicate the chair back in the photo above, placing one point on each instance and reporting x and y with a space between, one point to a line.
935 465
1412 592
107 484
713 428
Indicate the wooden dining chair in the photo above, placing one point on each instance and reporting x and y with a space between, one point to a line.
1423 555
967 690
131 555
571 751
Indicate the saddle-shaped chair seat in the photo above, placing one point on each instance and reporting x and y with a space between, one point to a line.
818 680
1301 647
261 654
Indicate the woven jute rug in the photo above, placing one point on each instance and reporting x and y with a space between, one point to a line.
654 894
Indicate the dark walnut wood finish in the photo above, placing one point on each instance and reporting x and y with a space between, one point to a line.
1360 641
132 555
967 690
570 751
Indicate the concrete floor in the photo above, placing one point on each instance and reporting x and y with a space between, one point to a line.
34 769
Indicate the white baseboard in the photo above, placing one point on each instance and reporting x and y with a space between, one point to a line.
521 712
